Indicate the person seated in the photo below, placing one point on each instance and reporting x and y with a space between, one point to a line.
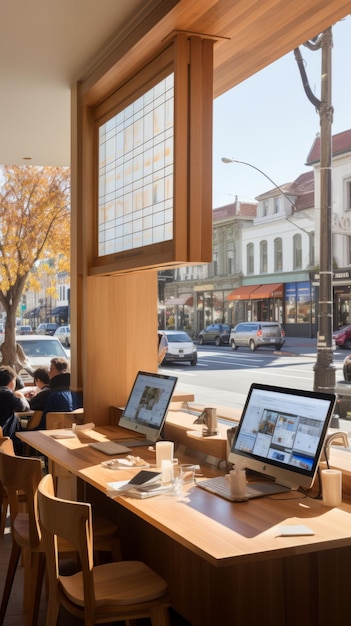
59 374
41 389
60 397
12 401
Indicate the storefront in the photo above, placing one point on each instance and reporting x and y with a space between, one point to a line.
341 296
257 302
300 309
292 304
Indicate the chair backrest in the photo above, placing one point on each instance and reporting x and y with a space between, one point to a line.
71 521
34 420
6 444
22 474
63 401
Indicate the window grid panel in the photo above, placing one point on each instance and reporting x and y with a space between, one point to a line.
136 166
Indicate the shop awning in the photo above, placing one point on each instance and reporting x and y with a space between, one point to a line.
242 293
33 312
60 310
187 300
276 290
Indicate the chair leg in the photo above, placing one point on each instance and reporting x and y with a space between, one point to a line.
53 610
37 573
159 616
3 507
14 558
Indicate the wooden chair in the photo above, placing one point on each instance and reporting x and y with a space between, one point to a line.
7 445
32 423
22 475
127 590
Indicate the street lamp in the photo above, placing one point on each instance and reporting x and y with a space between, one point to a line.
324 369
227 160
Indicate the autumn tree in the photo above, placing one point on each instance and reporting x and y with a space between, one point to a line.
34 226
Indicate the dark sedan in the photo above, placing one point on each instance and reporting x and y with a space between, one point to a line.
215 333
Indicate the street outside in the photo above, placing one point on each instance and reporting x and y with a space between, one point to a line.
222 377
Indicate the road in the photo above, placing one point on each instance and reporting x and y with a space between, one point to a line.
223 376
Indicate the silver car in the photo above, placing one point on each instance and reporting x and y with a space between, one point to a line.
256 334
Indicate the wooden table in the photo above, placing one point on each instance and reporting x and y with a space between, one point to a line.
225 563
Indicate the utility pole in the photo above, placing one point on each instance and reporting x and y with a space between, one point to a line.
324 369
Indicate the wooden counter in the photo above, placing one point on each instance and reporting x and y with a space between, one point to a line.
225 562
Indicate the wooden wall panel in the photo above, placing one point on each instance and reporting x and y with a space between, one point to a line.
119 338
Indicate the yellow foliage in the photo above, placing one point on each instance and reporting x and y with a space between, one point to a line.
34 225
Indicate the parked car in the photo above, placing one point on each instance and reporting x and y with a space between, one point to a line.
63 333
24 330
180 347
46 328
39 351
256 334
342 337
215 333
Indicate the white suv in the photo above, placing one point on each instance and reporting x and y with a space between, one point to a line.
39 351
256 334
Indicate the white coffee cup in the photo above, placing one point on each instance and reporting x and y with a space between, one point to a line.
164 452
331 487
237 479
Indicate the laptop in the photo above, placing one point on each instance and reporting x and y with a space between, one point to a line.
144 414
281 436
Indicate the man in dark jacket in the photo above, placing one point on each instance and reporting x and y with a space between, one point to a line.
59 375
41 381
60 398
11 402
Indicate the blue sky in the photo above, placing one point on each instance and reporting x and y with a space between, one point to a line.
269 122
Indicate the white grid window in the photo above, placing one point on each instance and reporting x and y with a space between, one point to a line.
136 173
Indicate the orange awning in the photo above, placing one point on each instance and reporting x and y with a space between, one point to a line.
242 293
275 290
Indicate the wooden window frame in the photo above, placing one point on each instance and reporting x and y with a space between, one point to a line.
191 60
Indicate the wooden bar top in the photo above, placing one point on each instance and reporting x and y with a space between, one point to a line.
220 532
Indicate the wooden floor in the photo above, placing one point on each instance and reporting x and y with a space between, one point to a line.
15 615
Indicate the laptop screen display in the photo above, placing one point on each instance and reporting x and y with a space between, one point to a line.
281 433
147 405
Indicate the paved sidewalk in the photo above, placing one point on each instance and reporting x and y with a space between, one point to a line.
300 345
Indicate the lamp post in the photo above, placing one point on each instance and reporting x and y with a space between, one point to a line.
324 369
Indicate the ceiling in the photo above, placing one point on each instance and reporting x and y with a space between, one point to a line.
47 45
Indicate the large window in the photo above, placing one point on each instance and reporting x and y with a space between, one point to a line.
147 163
278 254
263 257
297 252
347 195
311 247
250 258
135 197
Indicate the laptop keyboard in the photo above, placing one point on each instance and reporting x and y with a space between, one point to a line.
220 486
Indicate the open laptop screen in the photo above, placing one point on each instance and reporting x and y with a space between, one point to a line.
281 433
147 405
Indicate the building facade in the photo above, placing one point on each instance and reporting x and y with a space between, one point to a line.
266 256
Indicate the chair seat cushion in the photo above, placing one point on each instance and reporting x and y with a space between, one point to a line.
117 584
